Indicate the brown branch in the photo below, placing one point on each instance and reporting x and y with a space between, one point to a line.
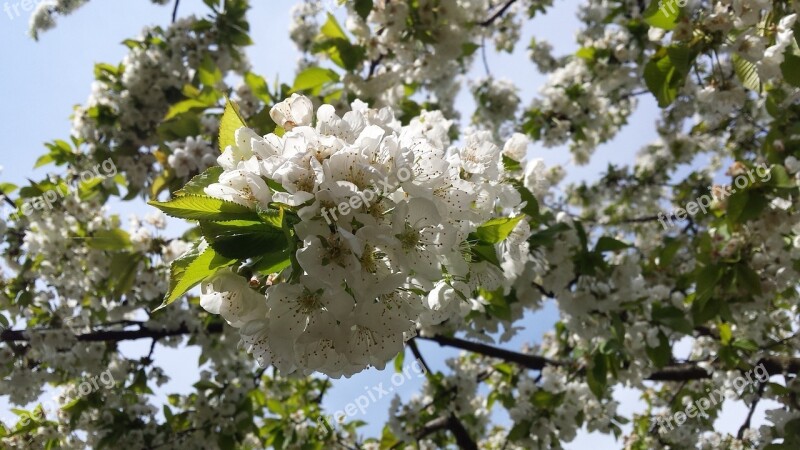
452 424
373 65
463 439
437 424
175 11
112 335
415 350
774 365
686 371
498 14
528 361
753 405
544 291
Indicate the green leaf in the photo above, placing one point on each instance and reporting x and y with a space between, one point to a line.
531 204
745 205
707 278
586 53
510 164
124 268
43 160
780 179
7 188
191 269
198 183
398 361
272 217
259 87
313 79
363 8
198 207
230 122
520 430
725 333
498 304
497 230
747 73
547 236
112 240
208 72
662 13
745 344
791 68
331 28
608 244
665 74
661 355
597 374
200 103
672 317
748 279
485 252
241 239
468 48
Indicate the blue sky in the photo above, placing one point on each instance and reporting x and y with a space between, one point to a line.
42 81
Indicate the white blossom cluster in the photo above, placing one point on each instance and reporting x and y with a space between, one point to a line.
497 101
125 109
44 16
394 259
422 44
585 103
192 155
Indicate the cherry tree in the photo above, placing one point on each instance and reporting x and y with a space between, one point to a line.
337 219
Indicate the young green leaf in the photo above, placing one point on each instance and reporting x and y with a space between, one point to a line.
199 207
191 269
497 230
241 239
662 13
197 185
230 122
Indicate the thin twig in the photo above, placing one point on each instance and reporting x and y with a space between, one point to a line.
483 57
753 405
415 350
175 11
497 15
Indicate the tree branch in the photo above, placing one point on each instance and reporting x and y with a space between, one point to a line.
774 365
113 335
415 350
753 405
528 361
452 424
175 11
498 14
463 439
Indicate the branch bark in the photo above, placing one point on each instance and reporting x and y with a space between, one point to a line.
452 424
498 14
113 335
175 10
774 365
528 361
